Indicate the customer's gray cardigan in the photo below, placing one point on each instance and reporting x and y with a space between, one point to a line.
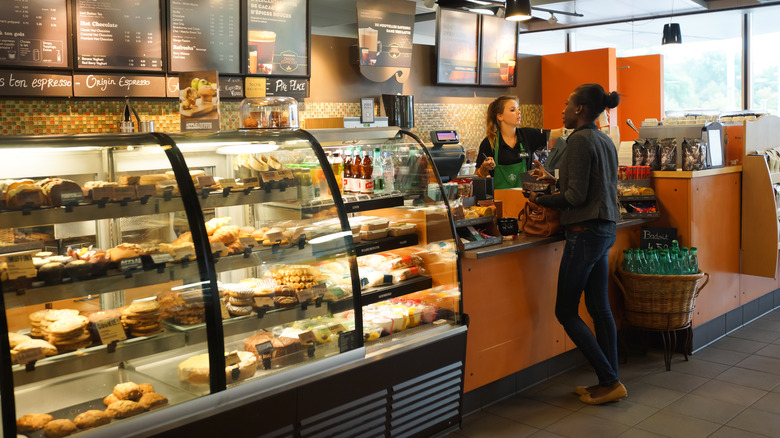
588 178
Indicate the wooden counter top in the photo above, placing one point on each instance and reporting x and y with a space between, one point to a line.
696 173
525 242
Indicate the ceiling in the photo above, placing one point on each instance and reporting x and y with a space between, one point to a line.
338 17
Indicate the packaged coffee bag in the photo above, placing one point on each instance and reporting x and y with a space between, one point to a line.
653 148
639 153
668 154
692 157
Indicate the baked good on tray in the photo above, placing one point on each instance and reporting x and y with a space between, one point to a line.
32 422
91 419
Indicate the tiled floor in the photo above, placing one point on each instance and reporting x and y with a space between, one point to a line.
728 389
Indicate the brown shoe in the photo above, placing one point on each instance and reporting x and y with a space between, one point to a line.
616 394
581 390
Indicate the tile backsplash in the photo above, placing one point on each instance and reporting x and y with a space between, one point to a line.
29 117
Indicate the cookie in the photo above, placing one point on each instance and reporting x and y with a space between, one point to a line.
124 409
238 310
59 428
127 391
143 306
32 422
152 400
92 418
48 349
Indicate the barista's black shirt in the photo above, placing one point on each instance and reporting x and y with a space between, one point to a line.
532 140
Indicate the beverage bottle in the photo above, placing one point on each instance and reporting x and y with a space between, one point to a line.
347 175
306 185
357 171
627 259
653 264
402 169
378 175
693 261
665 262
367 173
685 261
388 171
642 262
337 166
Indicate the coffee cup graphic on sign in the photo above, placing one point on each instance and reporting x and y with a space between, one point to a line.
368 38
261 42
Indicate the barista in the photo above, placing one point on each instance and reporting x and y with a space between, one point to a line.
507 150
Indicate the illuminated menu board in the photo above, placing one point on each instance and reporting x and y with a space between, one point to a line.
205 35
277 37
120 35
34 33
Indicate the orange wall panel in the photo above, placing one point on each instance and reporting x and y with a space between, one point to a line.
563 72
640 82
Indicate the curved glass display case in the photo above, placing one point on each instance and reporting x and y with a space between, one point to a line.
123 266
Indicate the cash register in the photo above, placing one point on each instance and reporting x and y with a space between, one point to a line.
447 153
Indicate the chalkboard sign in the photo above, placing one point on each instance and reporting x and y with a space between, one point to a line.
34 33
295 88
118 35
118 86
204 35
657 237
15 83
229 88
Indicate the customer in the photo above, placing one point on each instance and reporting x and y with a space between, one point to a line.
589 211
505 152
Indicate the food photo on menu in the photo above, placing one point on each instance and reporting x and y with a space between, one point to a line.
198 95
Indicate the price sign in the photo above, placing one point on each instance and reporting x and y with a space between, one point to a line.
336 328
307 337
146 190
180 253
68 197
264 348
161 258
124 192
110 330
231 359
657 237
223 309
217 247
29 355
99 193
20 265
251 182
131 264
206 181
248 241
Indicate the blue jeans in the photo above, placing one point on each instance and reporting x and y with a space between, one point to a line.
585 267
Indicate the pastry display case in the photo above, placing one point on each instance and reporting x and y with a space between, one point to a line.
126 271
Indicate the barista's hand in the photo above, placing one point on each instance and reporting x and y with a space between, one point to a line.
540 174
487 165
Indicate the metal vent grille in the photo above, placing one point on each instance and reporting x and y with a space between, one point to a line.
426 400
365 417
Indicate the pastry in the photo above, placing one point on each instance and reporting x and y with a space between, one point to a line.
153 179
54 188
146 388
91 419
214 224
59 428
127 391
142 318
24 194
195 369
123 251
48 349
51 273
109 399
129 180
32 422
78 270
236 247
152 400
124 409
251 343
239 310
15 339
207 93
68 326
226 234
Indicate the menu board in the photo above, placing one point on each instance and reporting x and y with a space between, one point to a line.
116 85
22 83
120 35
385 33
456 43
277 37
34 33
499 52
205 35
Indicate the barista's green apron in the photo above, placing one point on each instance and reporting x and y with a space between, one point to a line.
508 176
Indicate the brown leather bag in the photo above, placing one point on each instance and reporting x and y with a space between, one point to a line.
537 220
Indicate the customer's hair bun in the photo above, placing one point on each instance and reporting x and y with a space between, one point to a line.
612 99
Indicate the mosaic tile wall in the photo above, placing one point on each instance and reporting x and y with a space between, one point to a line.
26 117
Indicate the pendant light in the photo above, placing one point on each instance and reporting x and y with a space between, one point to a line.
518 10
672 33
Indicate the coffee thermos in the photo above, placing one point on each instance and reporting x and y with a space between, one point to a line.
399 109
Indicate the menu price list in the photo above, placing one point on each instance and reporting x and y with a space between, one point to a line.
205 35
34 33
119 35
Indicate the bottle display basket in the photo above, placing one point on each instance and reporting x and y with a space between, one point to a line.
660 302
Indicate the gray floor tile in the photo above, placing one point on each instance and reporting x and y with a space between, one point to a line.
750 378
671 424
761 363
545 434
573 426
639 433
675 380
583 375
740 345
771 350
486 425
766 324
729 392
627 411
706 408
719 355
730 432
556 394
652 395
528 411
757 421
769 403
755 334
701 368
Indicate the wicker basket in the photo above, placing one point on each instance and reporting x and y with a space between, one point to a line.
660 302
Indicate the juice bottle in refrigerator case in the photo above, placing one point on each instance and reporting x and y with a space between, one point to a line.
357 171
388 172
366 174
347 174
378 175
337 165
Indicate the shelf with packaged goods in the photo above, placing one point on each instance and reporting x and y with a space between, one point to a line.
351 204
152 205
97 356
158 274
381 293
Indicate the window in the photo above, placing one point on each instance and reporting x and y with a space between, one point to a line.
542 43
764 62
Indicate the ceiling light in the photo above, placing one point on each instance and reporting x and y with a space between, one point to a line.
481 11
672 34
429 3
518 10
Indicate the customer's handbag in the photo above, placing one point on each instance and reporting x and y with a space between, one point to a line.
537 220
